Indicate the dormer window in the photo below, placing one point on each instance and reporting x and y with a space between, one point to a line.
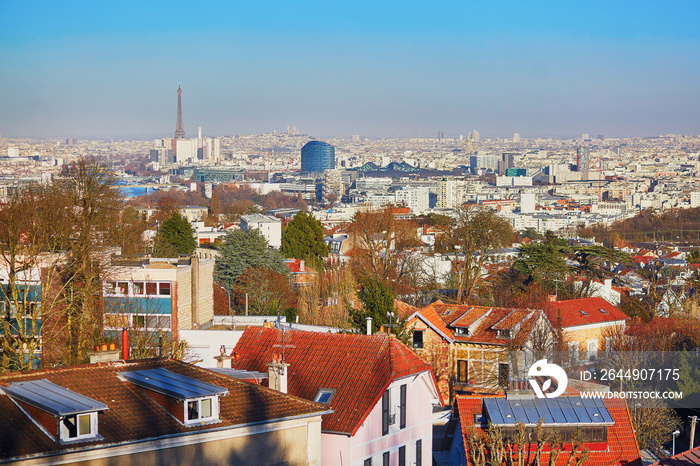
202 410
79 427
75 414
190 401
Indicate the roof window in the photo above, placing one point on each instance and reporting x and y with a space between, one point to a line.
603 311
324 395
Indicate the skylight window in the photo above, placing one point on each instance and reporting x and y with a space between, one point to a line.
603 311
324 395
583 313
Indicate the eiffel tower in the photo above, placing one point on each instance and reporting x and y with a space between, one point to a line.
179 130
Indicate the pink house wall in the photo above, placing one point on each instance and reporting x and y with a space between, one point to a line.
369 441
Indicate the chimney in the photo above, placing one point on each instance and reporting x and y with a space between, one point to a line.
369 326
277 374
608 283
125 344
552 298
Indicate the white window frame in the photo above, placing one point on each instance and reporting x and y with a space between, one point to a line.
201 420
65 434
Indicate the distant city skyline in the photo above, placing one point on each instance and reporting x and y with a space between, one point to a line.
85 69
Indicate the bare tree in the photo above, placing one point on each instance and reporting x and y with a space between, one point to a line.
473 239
383 247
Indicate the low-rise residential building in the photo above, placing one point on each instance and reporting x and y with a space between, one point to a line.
588 325
153 294
381 392
158 411
476 344
602 426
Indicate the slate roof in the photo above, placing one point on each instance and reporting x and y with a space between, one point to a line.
686 458
132 415
572 315
359 367
621 449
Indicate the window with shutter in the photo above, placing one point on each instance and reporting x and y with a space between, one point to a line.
402 414
385 413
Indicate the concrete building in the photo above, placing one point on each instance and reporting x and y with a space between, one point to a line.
268 226
417 199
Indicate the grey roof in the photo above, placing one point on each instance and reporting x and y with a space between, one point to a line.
172 384
560 412
53 398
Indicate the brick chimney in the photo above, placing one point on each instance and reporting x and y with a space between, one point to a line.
277 373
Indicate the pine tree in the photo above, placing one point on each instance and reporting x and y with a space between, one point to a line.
175 237
378 303
303 239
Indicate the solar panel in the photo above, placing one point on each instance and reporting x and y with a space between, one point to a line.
561 411
172 384
53 398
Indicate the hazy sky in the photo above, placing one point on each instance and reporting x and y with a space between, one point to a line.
375 68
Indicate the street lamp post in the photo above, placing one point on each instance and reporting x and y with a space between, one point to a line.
676 433
229 298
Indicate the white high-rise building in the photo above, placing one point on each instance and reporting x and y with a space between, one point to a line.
475 136
185 150
417 199
447 194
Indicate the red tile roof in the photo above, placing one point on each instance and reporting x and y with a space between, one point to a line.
575 312
133 416
359 367
430 316
621 449
485 321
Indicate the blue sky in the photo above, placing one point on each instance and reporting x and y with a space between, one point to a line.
111 69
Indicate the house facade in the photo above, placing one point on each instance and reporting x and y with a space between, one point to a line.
588 325
156 294
380 391
478 349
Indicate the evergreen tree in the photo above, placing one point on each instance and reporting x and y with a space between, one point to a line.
174 237
378 303
303 239
241 250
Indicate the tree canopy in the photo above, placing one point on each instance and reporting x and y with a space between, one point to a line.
174 237
474 236
303 239
243 249
378 303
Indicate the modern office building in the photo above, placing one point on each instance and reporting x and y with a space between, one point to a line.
317 156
